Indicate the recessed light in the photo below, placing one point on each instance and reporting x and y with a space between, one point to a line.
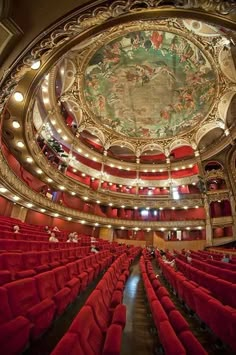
119 167
83 222
173 208
110 204
112 165
20 144
161 170
145 170
46 100
188 228
56 215
94 159
53 122
96 224
16 198
42 210
85 198
83 174
59 130
109 226
98 201
49 179
185 207
29 205
15 124
3 189
74 170
36 65
196 206
86 155
18 96
135 207
161 208
29 160
122 227
69 218
39 171
183 167
62 187
122 206
162 229
65 138
73 193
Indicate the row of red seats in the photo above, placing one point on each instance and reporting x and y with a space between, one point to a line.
221 319
21 265
28 306
206 257
97 329
224 274
24 245
173 330
222 290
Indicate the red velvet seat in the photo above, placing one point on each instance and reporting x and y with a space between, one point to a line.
92 340
47 288
63 280
54 256
169 340
44 261
14 332
191 344
83 274
167 304
24 301
222 321
102 314
69 344
88 268
178 322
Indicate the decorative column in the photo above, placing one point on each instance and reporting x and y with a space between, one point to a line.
233 209
209 234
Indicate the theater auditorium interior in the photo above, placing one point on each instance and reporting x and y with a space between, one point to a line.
118 177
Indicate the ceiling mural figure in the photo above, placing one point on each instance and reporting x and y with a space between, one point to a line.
150 84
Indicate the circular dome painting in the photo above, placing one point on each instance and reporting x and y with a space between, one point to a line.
149 84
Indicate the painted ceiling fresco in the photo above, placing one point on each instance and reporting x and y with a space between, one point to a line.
149 84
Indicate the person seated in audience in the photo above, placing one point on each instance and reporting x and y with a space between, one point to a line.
53 238
75 238
56 229
16 229
47 229
94 249
188 256
225 258
70 238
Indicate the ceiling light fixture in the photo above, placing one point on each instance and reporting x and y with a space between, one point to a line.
29 160
29 205
15 124
42 210
20 144
39 171
36 65
16 198
18 96
3 189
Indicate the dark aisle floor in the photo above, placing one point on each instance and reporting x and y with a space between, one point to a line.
137 337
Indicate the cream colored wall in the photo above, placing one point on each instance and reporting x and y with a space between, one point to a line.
136 243
158 242
106 233
19 212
